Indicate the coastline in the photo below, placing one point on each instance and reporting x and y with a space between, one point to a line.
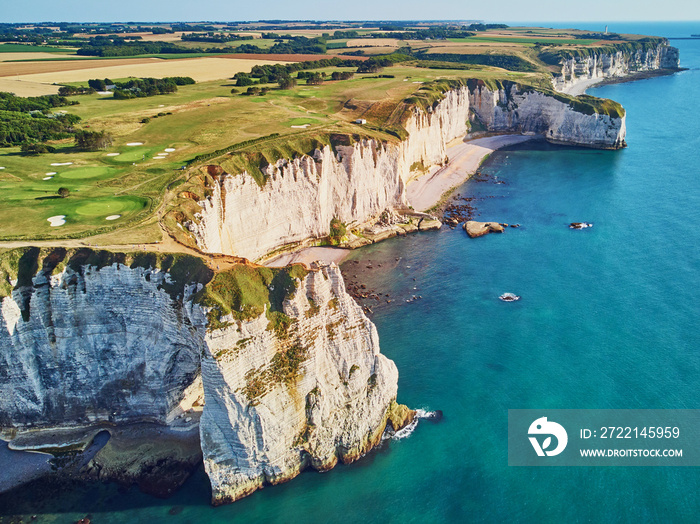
580 87
465 157
423 192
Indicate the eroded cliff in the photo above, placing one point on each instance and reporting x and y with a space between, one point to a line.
582 65
357 179
284 362
351 182
277 404
581 121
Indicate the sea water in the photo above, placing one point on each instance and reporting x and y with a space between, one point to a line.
608 319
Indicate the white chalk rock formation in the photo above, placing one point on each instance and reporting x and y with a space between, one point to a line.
277 405
617 64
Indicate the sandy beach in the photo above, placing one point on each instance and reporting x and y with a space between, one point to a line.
580 86
310 254
465 158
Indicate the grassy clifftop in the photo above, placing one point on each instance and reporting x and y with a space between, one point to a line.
244 291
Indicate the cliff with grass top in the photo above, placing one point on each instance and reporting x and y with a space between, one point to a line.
561 119
282 366
257 200
615 60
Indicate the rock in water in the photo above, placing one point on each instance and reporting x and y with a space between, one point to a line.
476 229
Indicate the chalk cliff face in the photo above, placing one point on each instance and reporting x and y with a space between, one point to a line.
301 196
526 111
618 64
275 406
85 345
94 345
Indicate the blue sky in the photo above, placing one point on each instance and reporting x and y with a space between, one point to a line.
502 10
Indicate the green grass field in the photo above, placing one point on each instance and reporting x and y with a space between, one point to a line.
197 120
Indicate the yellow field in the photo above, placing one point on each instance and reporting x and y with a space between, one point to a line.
23 88
373 42
7 57
201 69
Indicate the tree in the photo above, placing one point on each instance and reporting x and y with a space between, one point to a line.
92 140
97 84
287 82
63 192
36 148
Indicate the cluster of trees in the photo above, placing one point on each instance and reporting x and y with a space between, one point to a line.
267 74
312 77
142 87
113 45
375 64
285 45
10 102
29 120
342 75
73 90
211 36
17 127
92 140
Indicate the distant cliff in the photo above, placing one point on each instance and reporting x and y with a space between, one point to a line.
610 61
561 119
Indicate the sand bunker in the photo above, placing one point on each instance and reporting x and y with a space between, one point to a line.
169 149
2 168
62 164
132 144
113 154
52 173
303 126
47 178
58 220
113 217
158 158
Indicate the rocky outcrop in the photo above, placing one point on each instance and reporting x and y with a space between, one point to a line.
275 406
350 182
609 63
95 342
514 109
477 229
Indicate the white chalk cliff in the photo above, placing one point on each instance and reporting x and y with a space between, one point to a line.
301 196
91 346
275 406
116 345
518 110
605 64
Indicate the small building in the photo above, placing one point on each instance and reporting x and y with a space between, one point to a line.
360 121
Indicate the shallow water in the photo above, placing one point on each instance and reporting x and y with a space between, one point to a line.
608 319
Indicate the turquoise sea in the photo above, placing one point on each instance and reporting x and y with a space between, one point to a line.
609 318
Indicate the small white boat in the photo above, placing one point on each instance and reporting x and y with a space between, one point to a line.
509 297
